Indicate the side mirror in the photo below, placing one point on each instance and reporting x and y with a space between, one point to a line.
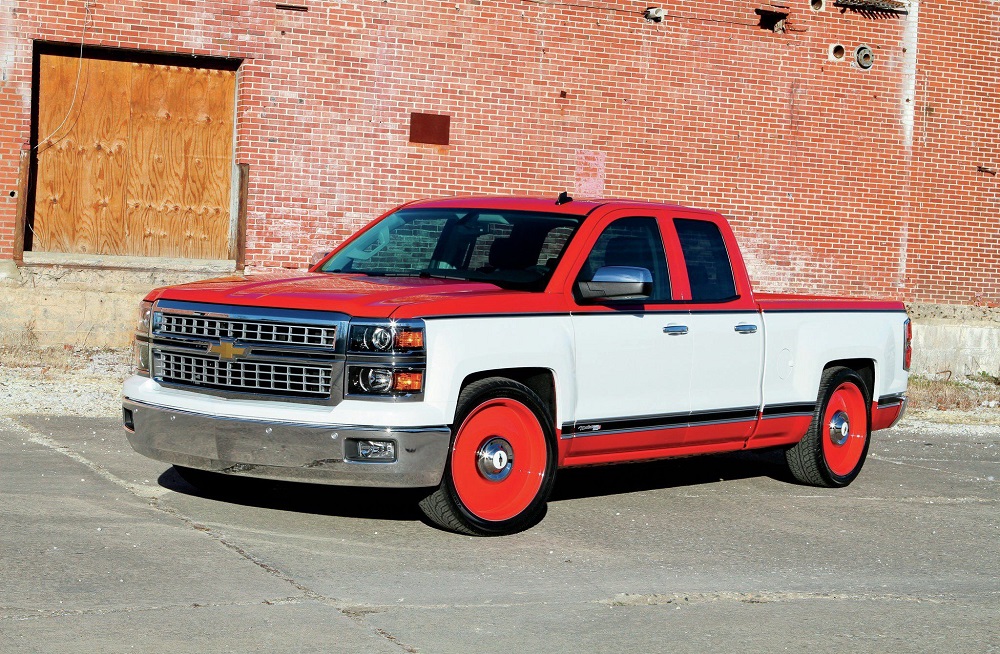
618 283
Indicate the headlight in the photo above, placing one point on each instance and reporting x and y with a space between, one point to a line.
375 380
141 357
365 380
145 317
387 338
386 359
141 347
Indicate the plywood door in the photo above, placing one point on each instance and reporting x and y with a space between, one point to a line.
142 164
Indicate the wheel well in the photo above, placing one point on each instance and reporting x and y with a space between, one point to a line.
540 380
865 369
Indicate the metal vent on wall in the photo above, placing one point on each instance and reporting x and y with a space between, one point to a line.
875 6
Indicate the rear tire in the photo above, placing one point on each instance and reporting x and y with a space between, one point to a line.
833 451
502 463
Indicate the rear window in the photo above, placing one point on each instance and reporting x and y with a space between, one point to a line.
708 267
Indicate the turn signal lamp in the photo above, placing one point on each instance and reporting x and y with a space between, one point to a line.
408 382
410 339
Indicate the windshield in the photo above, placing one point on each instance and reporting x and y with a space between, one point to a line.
512 249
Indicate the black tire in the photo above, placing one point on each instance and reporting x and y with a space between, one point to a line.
492 413
819 459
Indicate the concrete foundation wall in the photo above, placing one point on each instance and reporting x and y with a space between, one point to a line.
959 340
49 305
956 348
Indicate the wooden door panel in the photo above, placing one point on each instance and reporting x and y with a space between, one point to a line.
143 164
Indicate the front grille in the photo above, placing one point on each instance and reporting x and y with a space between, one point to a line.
248 376
247 331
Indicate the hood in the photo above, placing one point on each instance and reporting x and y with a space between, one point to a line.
355 295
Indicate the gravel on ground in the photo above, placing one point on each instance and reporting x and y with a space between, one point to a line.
85 383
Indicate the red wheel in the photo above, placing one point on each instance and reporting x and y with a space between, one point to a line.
502 463
846 418
499 459
834 449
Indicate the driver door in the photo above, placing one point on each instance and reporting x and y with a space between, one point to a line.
633 357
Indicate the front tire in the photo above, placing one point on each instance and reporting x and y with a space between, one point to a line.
834 449
502 463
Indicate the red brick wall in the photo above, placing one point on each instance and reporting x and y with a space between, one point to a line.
829 189
954 249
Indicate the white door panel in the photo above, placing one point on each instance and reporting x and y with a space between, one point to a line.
728 358
628 366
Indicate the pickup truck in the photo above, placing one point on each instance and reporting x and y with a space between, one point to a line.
474 346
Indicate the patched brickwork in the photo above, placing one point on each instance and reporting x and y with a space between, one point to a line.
838 180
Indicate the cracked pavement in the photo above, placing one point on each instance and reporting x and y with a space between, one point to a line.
106 551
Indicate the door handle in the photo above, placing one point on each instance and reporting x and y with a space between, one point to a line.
675 330
745 329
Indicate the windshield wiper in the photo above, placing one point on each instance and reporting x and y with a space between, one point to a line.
375 273
422 274
427 274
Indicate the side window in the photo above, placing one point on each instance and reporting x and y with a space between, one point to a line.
708 267
631 242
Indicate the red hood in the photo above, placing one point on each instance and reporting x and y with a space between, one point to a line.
355 295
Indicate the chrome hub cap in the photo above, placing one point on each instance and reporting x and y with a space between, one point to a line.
495 459
840 428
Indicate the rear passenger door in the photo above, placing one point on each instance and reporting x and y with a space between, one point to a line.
725 329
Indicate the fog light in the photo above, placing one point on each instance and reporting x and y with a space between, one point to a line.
377 450
127 419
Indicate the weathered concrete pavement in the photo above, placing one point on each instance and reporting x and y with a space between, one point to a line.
106 551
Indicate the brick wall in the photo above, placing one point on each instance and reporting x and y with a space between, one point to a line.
954 249
838 180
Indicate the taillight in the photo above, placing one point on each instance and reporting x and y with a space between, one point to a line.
907 344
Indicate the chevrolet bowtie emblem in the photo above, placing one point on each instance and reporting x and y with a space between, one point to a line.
226 350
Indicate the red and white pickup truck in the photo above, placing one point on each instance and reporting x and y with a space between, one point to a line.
475 346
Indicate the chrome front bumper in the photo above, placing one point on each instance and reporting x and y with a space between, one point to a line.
292 452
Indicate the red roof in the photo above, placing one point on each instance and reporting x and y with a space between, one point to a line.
541 205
